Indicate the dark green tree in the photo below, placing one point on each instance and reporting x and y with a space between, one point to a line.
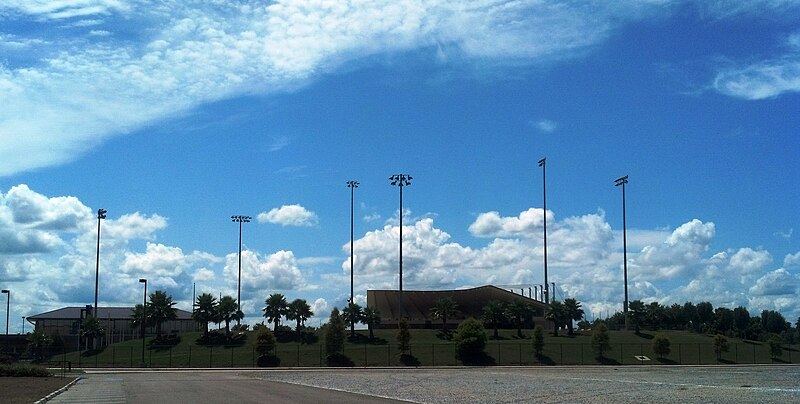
601 340
470 340
299 311
494 313
227 311
741 320
205 310
705 315
538 341
574 312
519 311
773 322
91 330
661 345
265 345
444 308
636 311
775 343
160 309
654 315
335 334
138 316
352 314
372 317
723 320
403 337
556 313
38 344
275 308
720 345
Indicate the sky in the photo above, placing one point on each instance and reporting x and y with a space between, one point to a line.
176 115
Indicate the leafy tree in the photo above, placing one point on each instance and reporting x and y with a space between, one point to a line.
265 345
494 313
403 337
372 317
775 343
352 314
741 320
299 311
538 340
205 310
720 345
601 340
690 316
654 315
444 308
470 339
335 334
661 345
518 311
723 319
227 311
705 315
556 313
276 307
38 342
160 310
673 317
91 329
574 312
636 311
139 316
773 322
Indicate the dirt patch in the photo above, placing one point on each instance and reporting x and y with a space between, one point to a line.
19 390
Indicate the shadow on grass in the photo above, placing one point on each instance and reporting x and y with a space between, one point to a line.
545 360
666 361
366 340
607 361
779 360
477 359
339 360
725 361
409 360
645 335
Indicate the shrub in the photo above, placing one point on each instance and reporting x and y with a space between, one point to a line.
601 341
403 337
23 370
470 339
538 341
334 334
265 342
661 346
775 343
284 333
720 345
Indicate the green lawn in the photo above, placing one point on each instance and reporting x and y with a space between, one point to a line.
430 350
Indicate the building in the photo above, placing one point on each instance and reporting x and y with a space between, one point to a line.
416 305
115 320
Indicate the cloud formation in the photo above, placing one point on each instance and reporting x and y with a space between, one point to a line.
289 215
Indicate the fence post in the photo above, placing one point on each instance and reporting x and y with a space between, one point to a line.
433 355
232 349
210 354
298 354
561 353
113 355
520 353
699 355
680 354
388 355
131 356
190 356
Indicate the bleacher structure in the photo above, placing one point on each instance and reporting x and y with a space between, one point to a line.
415 305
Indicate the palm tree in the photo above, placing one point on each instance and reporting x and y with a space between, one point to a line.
161 309
573 312
352 314
557 314
494 312
138 316
205 310
299 311
91 329
371 317
276 307
519 311
227 311
444 308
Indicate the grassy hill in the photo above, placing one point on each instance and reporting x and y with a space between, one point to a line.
431 350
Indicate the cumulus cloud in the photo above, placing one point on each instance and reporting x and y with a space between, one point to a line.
528 223
264 273
289 215
776 283
677 254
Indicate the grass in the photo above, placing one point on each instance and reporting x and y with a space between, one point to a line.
428 349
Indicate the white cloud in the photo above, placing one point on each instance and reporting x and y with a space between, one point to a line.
289 215
679 253
546 125
192 53
260 274
528 223
776 283
791 260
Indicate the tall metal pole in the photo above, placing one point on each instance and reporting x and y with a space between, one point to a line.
144 314
352 185
401 180
101 214
8 307
240 219
544 198
622 181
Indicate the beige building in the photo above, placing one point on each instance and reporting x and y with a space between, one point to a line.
115 320
416 305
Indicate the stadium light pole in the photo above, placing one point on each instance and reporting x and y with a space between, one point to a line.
144 313
240 219
401 180
554 291
544 199
622 181
352 185
23 325
101 214
8 307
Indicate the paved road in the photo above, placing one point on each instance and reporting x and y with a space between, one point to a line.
606 384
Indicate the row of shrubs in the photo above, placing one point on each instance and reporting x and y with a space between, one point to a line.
23 370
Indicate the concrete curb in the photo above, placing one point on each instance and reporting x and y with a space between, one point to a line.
59 391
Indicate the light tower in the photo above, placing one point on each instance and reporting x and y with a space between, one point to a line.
240 219
401 180
544 199
101 214
352 185
622 181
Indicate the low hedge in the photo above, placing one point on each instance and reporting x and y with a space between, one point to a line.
23 370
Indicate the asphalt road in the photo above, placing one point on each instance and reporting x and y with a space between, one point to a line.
606 384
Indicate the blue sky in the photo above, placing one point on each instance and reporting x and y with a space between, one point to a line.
175 116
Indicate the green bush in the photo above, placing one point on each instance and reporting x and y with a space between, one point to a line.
470 340
23 370
661 346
